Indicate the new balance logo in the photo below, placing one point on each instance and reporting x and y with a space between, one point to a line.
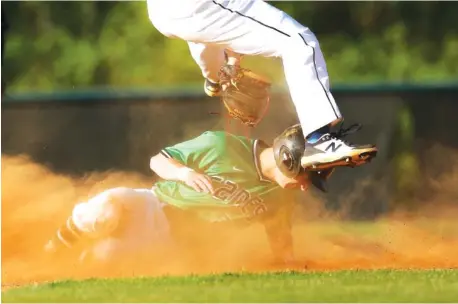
333 147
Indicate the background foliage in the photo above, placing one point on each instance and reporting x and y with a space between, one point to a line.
75 45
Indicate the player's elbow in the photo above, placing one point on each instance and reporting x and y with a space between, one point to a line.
159 164
154 163
166 167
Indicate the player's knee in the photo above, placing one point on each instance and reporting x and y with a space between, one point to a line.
100 215
157 20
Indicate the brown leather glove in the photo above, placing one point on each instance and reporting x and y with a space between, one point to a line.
246 95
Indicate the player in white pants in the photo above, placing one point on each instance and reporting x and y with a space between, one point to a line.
120 222
254 27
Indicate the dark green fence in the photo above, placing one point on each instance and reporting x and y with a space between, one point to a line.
87 131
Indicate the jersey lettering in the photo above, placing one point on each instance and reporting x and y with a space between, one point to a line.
240 197
254 207
230 192
225 191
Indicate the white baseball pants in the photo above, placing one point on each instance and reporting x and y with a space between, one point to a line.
122 221
253 27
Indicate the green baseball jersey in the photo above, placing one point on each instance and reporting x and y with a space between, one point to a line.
241 192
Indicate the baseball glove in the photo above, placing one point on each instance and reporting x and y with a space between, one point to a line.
245 95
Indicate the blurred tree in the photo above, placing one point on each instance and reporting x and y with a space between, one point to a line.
4 31
64 45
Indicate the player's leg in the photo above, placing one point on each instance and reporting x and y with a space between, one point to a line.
210 58
257 28
117 222
142 230
91 219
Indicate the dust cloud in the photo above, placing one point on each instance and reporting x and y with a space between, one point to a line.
35 201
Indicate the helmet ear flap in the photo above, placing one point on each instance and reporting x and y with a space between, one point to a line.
287 163
288 149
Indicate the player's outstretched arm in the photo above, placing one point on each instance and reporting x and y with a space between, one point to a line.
278 228
171 169
168 168
281 242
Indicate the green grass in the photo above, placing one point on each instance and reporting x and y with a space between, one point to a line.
339 286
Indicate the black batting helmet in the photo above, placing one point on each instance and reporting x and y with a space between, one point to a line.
288 149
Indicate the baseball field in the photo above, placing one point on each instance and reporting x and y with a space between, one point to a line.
403 257
339 286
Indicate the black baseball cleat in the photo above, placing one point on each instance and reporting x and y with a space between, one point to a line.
331 151
211 88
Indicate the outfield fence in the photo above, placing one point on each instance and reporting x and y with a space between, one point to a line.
77 132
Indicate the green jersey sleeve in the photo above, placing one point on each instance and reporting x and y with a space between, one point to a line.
197 153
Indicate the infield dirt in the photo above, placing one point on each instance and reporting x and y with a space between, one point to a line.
35 201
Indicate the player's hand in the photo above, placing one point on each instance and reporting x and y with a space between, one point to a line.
233 58
284 258
288 262
197 181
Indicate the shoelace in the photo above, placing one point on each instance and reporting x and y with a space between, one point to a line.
342 132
